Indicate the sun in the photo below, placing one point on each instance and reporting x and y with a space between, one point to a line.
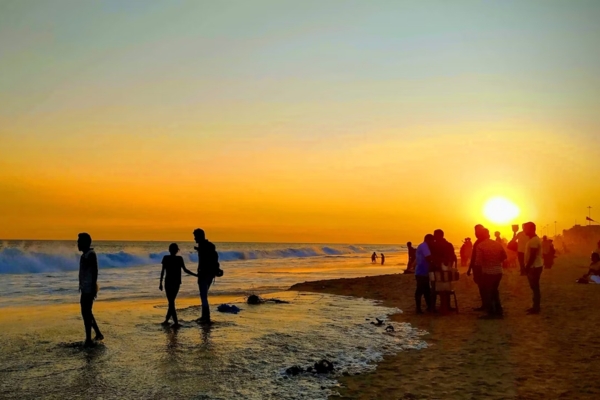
500 210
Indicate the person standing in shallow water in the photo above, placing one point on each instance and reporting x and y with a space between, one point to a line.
208 265
374 257
88 287
382 259
172 265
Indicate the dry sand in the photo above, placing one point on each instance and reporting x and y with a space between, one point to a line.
552 355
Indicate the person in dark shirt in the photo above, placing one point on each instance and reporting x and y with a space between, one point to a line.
382 259
88 287
442 254
476 269
208 268
172 266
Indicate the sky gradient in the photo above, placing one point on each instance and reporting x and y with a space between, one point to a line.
315 121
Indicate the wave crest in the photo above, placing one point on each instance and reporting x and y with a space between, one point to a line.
19 261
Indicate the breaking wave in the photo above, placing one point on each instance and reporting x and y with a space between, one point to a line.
20 261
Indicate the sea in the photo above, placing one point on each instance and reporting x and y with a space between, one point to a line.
241 356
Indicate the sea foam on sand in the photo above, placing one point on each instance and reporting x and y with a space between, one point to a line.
241 356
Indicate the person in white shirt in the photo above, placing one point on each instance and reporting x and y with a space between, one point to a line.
534 265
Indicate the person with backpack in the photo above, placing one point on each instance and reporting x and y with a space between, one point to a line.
208 269
172 264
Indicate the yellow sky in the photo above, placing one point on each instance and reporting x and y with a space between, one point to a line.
369 125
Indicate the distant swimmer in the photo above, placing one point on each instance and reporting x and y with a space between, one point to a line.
382 259
208 269
88 287
172 266
374 257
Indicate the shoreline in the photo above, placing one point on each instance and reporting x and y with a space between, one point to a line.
551 355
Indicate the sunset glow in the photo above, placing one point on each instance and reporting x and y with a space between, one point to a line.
500 210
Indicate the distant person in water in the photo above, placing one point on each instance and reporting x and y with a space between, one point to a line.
88 287
374 257
412 258
423 264
382 259
208 267
172 266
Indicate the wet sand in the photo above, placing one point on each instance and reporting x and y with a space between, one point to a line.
548 356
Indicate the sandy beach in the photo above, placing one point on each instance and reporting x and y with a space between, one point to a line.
547 356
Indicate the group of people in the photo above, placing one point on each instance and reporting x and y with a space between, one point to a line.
172 267
486 259
374 258
435 266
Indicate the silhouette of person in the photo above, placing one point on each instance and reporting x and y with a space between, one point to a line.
374 257
382 259
490 256
423 263
549 255
522 240
534 265
412 257
172 265
88 287
476 269
208 266
466 250
443 255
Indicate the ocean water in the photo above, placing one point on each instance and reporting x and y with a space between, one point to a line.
45 272
242 356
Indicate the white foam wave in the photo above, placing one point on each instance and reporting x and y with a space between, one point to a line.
15 260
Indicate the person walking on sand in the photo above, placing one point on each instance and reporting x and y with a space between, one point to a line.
489 256
208 267
476 269
521 238
172 264
423 262
534 265
88 287
466 250
374 257
382 259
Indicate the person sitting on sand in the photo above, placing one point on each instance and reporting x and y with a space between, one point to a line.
594 269
382 259
88 286
208 267
374 257
423 263
172 264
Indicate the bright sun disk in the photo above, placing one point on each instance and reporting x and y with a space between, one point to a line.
500 210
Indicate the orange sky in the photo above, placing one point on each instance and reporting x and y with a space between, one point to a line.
313 130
